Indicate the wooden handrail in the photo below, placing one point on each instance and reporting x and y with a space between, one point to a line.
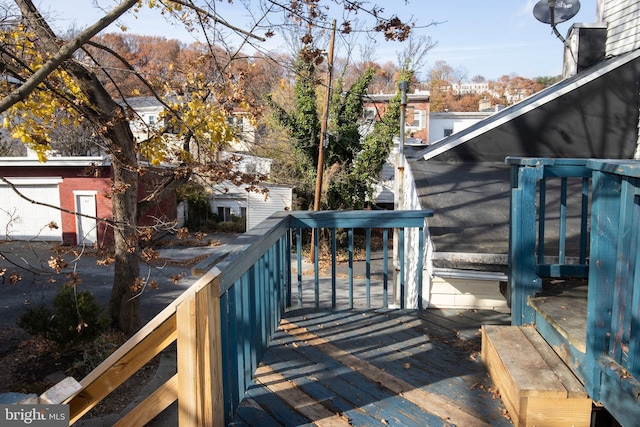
150 341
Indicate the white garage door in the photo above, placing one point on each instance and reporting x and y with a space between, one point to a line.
22 220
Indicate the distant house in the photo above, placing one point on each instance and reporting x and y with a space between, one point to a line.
149 119
228 200
444 124
417 113
33 191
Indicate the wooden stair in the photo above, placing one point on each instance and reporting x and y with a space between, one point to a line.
535 385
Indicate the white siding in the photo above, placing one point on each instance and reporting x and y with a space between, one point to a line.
261 207
455 122
623 19
22 220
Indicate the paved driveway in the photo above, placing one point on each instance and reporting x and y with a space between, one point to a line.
39 282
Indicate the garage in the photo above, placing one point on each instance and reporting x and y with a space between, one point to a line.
21 219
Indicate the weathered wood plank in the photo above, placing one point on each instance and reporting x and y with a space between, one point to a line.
567 378
297 399
155 403
275 407
251 410
368 402
522 363
427 401
403 344
564 305
531 390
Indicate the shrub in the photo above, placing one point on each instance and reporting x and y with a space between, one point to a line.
37 321
76 318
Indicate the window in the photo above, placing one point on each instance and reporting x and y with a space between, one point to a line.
448 132
224 214
369 113
419 119
152 120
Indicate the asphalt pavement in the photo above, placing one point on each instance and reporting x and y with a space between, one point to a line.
28 279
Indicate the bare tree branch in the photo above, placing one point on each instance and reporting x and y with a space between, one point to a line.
214 18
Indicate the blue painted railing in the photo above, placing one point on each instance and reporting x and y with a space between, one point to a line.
607 253
539 199
223 323
256 285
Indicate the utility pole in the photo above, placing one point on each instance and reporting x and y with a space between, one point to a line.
325 119
323 132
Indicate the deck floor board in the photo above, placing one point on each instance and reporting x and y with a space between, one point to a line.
378 367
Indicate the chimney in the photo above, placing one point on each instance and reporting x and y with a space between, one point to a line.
585 47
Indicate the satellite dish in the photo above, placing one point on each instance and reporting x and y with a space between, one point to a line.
563 11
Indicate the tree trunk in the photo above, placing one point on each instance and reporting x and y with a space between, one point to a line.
124 304
110 119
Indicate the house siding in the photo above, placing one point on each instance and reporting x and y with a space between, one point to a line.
623 20
73 179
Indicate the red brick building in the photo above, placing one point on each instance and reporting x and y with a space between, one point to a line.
417 112
72 184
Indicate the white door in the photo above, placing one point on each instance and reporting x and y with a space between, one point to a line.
86 223
21 219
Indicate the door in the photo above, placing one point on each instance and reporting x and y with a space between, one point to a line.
29 209
86 223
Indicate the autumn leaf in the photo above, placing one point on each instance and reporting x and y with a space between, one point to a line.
74 279
57 263
149 254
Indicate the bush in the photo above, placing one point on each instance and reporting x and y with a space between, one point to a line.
37 321
236 225
76 318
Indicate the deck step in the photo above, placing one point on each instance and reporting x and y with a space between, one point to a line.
537 388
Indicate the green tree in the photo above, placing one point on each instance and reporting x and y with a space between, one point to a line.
375 151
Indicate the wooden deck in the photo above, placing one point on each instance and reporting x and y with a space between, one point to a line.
375 367
563 303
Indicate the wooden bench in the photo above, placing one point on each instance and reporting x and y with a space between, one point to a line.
535 385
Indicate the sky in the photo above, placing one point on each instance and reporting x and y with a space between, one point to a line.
484 38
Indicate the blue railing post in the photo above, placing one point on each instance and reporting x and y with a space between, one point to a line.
613 327
605 210
523 280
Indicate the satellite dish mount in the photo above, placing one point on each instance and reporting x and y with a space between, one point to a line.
554 12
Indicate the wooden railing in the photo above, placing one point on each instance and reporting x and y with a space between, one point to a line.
609 257
223 323
613 322
549 237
